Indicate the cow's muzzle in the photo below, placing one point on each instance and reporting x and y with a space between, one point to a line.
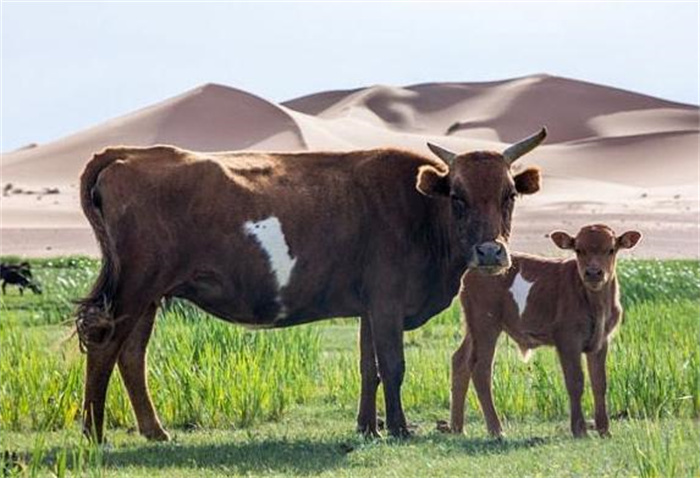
491 257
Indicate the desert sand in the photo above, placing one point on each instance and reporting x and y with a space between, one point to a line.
612 156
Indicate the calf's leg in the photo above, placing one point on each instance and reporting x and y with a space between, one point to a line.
570 359
484 348
461 374
599 384
132 366
367 414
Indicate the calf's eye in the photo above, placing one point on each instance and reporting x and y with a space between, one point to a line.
611 252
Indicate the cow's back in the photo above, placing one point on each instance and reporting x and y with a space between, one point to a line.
263 238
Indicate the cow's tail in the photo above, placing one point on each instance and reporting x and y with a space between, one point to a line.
94 316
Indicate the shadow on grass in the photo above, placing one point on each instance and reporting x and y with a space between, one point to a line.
297 456
484 446
460 444
286 456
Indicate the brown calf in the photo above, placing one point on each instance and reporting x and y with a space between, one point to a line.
572 304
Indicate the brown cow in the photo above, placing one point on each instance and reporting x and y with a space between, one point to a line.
281 239
572 304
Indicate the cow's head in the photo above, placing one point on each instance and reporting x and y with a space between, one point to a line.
482 191
596 252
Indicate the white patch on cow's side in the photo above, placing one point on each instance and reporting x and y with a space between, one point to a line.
268 233
520 289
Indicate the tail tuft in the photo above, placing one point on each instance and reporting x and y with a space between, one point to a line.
94 325
94 315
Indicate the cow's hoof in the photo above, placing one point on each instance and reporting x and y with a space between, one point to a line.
604 434
92 435
156 435
401 432
368 432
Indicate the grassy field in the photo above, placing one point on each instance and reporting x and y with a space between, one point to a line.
283 402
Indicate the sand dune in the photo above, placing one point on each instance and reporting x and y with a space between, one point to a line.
611 153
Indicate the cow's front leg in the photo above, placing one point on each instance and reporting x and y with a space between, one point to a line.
387 332
367 414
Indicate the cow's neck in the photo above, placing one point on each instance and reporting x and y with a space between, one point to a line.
449 256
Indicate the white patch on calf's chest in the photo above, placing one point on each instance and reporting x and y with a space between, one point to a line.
520 289
268 233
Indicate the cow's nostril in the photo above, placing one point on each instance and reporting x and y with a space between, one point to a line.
594 273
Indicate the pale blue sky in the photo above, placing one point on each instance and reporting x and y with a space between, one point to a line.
66 66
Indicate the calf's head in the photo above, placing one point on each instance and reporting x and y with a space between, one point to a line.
482 190
596 250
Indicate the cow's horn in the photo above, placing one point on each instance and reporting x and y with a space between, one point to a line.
524 146
447 156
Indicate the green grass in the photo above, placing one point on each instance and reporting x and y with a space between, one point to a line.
283 402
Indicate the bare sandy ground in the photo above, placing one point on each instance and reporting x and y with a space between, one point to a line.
612 156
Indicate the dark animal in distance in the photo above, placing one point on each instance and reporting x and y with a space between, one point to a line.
279 239
571 304
19 275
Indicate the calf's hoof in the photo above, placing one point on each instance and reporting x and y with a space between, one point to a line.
444 427
157 434
604 433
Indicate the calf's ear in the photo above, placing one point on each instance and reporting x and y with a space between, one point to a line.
528 182
628 240
562 240
431 182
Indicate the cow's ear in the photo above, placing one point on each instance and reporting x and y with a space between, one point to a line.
562 240
432 182
628 240
528 182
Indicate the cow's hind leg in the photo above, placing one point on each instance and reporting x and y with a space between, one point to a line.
105 333
132 366
367 414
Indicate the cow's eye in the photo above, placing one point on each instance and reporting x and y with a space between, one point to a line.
611 252
577 251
